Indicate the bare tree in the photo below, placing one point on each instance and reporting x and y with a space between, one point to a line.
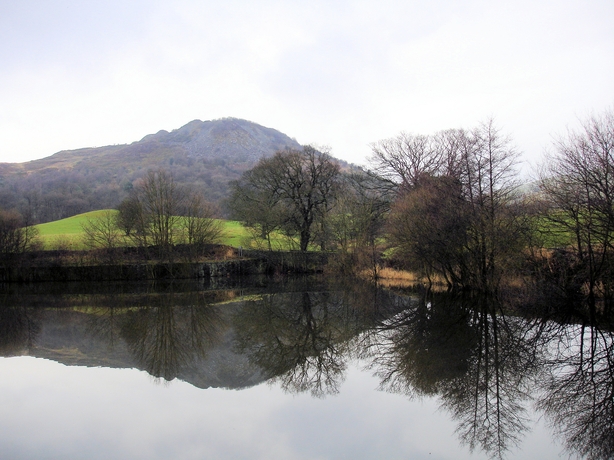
357 220
16 235
578 183
161 200
488 173
159 212
294 190
404 158
199 222
428 227
470 175
253 202
101 231
151 215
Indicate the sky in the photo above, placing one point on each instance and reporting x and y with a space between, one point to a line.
52 410
342 74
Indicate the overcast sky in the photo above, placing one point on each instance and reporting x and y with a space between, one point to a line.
344 74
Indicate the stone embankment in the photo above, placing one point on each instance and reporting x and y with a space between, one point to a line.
252 263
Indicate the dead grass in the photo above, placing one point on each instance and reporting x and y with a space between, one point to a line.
391 278
392 274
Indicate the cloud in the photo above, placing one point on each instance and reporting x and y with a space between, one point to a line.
344 73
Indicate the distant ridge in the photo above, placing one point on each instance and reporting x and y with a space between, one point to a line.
204 155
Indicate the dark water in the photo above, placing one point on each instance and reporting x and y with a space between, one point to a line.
295 369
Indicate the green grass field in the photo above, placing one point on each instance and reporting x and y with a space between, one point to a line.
68 234
552 234
65 233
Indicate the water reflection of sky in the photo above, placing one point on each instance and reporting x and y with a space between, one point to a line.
55 411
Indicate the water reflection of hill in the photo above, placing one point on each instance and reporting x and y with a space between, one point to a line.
489 370
174 331
76 338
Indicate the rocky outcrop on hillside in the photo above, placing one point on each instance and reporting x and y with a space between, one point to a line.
230 138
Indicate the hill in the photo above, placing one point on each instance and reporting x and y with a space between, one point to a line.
203 155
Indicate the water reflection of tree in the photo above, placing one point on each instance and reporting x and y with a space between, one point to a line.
164 332
477 360
166 337
578 388
19 327
489 400
420 348
302 339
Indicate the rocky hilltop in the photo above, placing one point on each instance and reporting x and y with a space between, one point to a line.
228 138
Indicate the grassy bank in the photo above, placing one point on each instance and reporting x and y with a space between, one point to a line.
68 234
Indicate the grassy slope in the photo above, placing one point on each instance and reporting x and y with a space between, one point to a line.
69 226
68 233
65 233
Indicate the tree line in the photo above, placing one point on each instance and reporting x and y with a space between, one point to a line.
446 205
450 206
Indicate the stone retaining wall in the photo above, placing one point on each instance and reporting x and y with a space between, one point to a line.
255 263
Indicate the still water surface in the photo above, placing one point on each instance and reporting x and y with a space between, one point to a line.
294 369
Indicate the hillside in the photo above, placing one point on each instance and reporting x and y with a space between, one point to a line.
204 155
